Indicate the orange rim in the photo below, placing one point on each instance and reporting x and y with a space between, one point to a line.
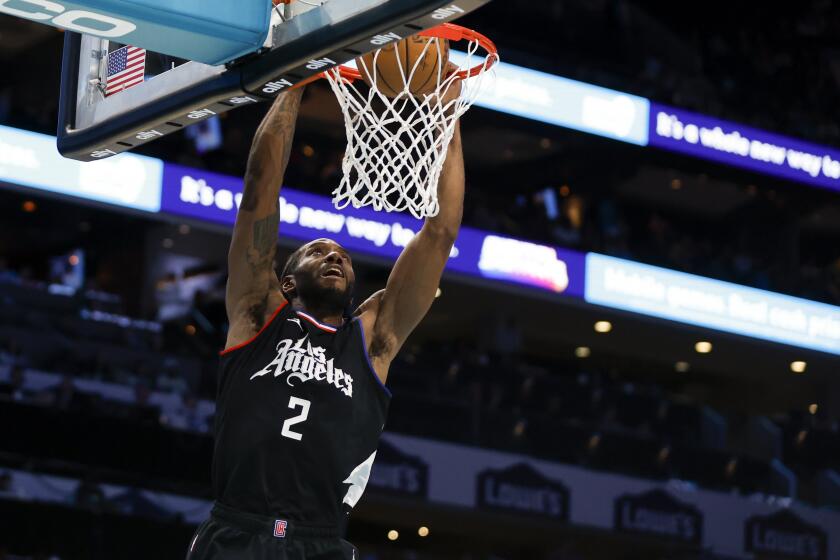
448 31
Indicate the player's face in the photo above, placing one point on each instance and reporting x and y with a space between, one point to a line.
325 272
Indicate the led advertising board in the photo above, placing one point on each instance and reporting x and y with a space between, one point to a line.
694 300
304 216
743 146
31 160
563 102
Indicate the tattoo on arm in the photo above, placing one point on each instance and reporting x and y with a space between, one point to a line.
251 195
270 151
265 234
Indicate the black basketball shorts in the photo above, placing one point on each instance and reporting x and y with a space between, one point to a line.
229 534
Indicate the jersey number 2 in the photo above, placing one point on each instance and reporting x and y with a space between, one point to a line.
295 402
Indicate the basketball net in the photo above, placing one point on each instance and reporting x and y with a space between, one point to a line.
396 146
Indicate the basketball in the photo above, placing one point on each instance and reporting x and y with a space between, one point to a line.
396 62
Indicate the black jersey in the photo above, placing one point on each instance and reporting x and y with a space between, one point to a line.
299 412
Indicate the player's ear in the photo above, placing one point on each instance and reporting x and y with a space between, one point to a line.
288 287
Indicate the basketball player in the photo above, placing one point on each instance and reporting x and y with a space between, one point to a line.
301 398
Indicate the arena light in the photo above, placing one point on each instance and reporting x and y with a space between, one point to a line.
583 352
731 468
703 347
393 535
603 326
423 531
798 366
813 408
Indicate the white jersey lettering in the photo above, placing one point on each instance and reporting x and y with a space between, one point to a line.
302 362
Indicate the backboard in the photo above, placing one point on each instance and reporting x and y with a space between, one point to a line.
304 40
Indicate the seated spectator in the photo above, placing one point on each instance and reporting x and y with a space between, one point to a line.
507 339
14 389
65 396
8 275
89 495
8 488
13 354
142 410
187 416
169 382
124 375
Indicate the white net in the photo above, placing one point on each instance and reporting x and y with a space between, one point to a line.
396 146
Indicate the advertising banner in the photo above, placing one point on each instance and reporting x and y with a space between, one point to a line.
743 146
526 489
657 513
521 489
304 216
695 300
563 102
675 512
784 535
31 160
398 473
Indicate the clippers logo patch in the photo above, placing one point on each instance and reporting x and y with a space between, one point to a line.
280 528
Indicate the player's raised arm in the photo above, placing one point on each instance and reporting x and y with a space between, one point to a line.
415 277
254 243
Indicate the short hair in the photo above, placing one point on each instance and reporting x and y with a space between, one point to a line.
289 268
292 262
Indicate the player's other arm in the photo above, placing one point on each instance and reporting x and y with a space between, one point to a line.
251 274
411 287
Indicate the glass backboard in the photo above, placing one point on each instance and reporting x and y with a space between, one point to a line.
304 40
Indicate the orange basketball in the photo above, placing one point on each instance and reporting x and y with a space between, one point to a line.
396 62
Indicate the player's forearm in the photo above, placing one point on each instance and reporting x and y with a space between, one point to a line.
450 191
269 154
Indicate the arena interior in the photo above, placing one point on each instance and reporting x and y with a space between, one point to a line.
634 355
